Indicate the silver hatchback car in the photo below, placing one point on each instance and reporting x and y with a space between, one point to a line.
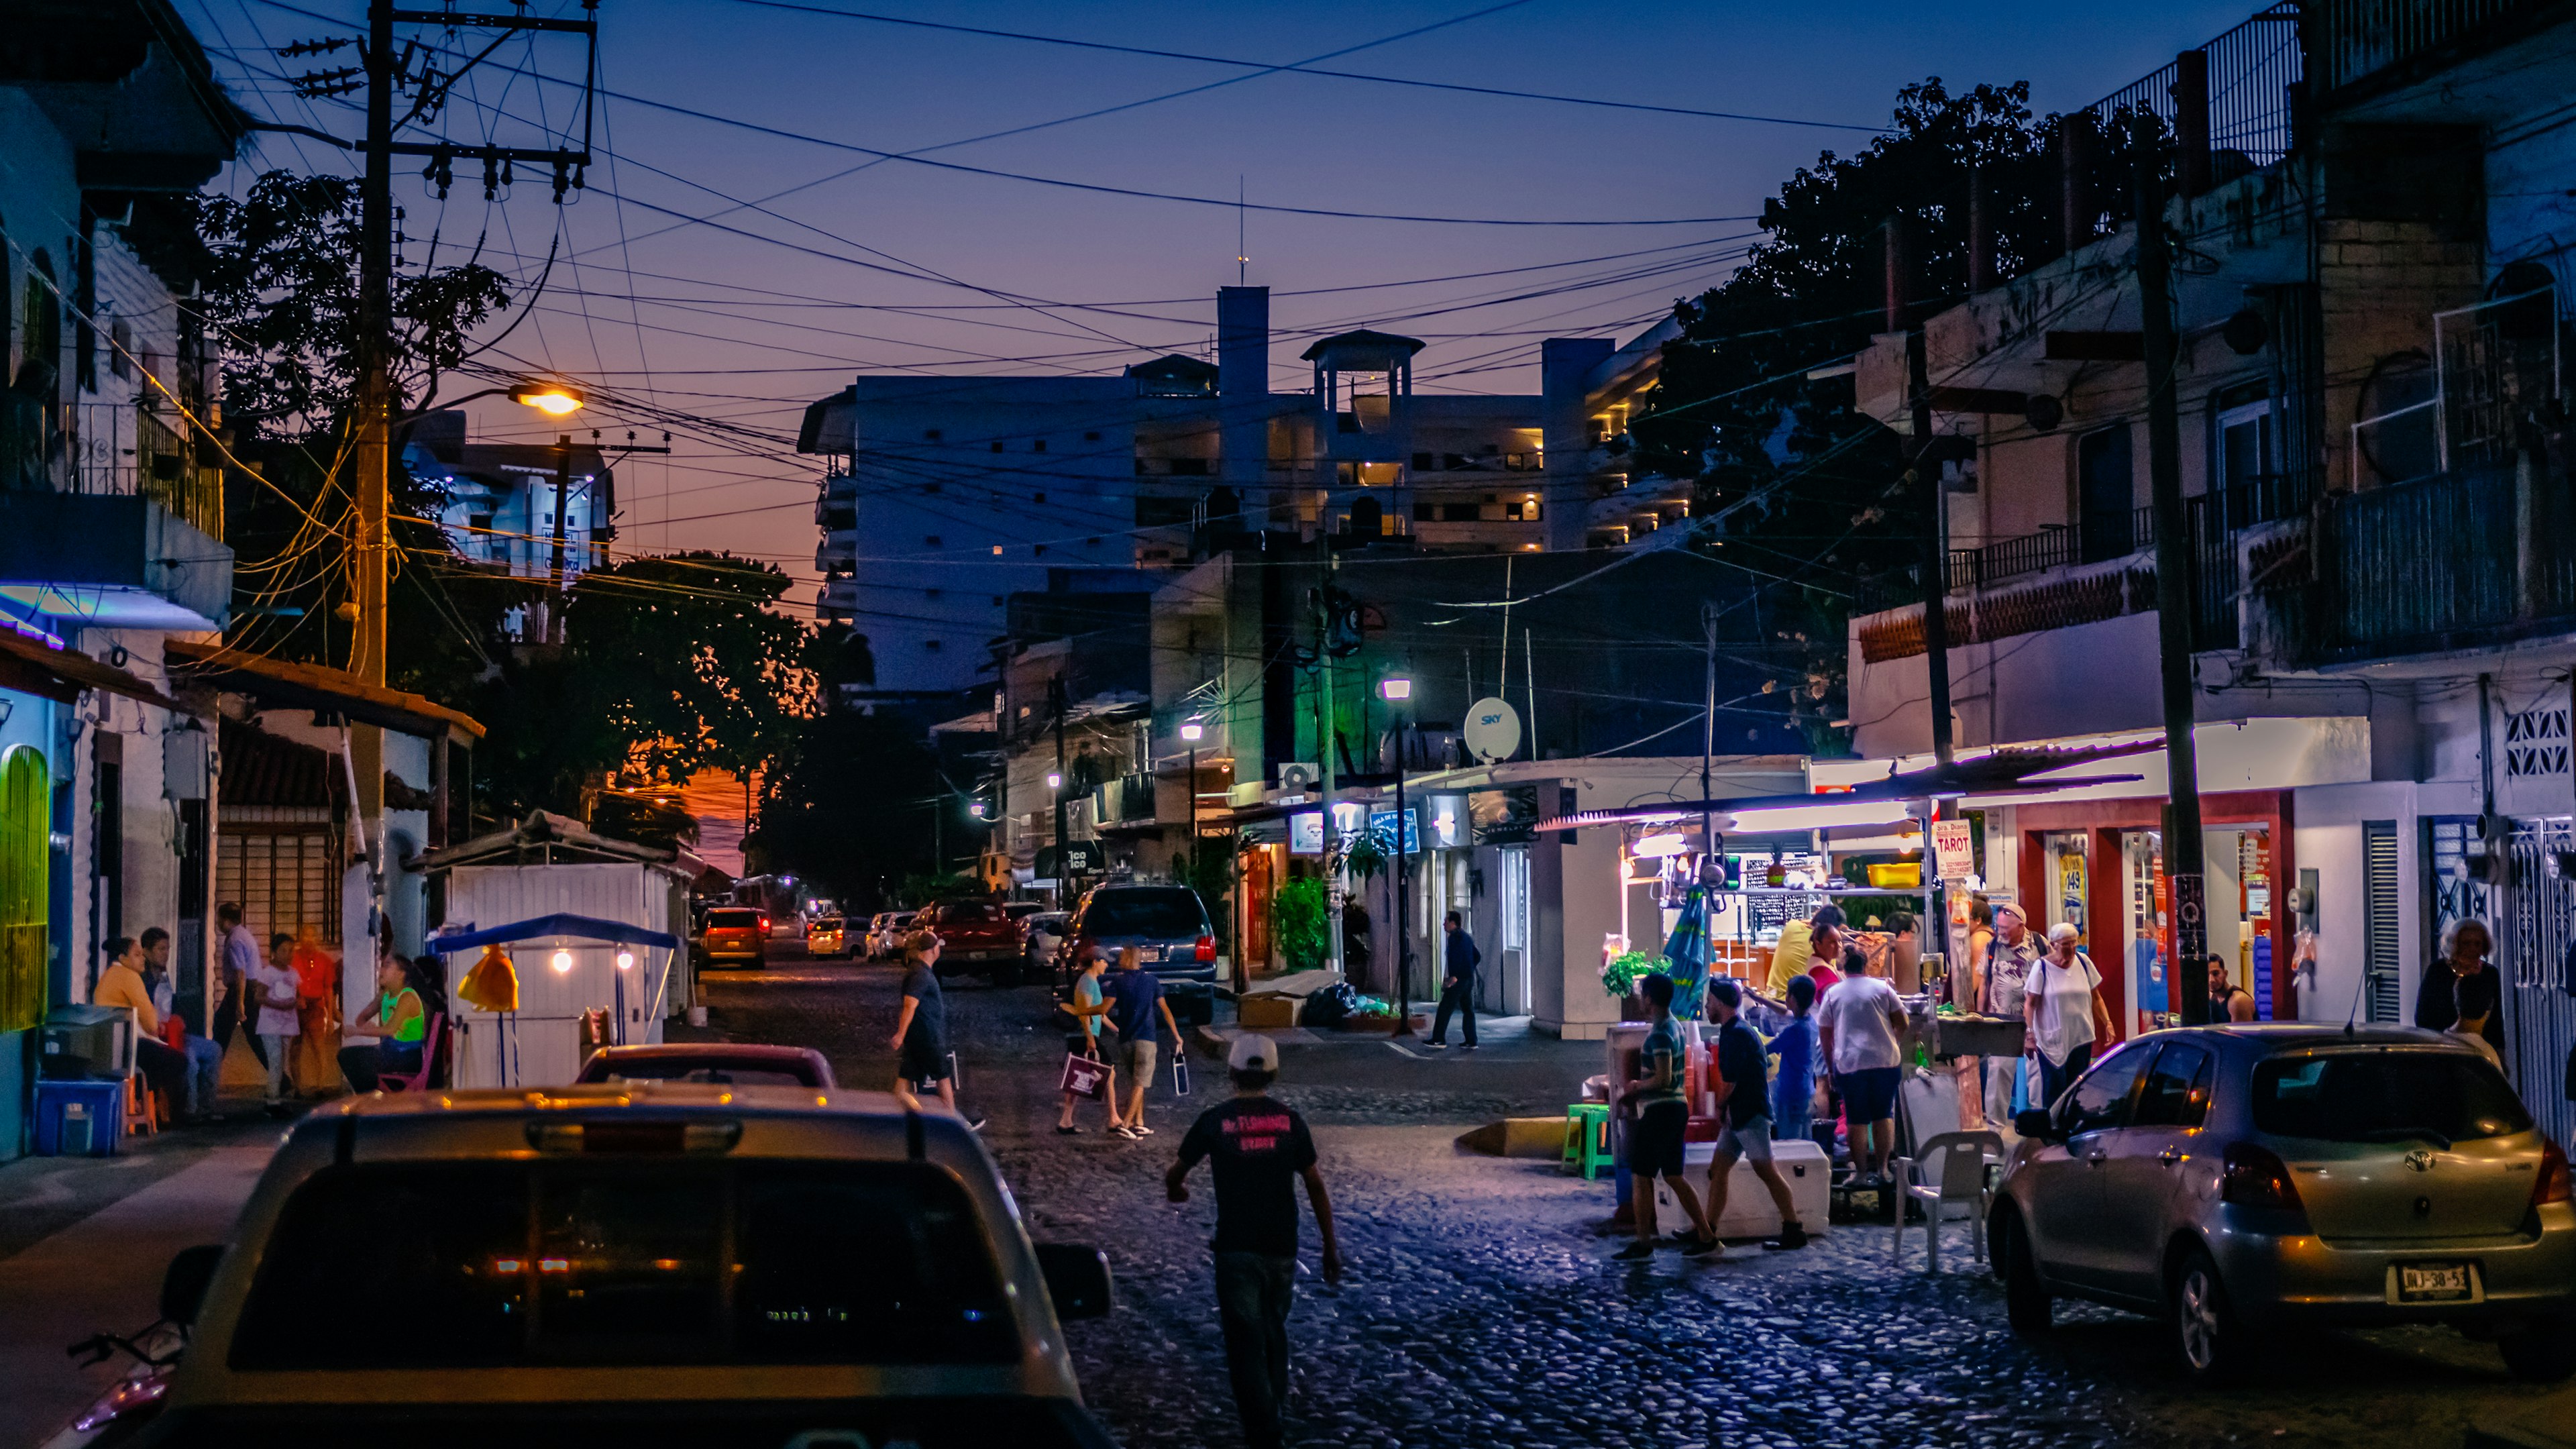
2237 1178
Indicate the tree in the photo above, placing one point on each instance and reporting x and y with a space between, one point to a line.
1808 487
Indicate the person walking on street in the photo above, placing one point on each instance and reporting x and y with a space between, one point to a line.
1861 1025
1793 1091
238 951
1089 1010
1256 1147
1660 1122
2003 980
1459 959
1135 998
921 1033
1746 1116
2065 1012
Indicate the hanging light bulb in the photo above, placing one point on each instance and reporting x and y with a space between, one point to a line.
625 960
562 961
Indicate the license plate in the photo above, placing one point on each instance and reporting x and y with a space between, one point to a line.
1149 953
2432 1282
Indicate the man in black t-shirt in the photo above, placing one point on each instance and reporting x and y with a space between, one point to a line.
1258 1148
1743 1101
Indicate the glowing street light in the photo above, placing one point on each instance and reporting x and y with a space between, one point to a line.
551 398
625 960
1395 689
1192 730
562 961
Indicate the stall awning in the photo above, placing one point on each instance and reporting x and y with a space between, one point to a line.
314 686
560 924
61 674
1880 801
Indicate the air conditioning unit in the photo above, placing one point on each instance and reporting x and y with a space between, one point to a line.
1297 779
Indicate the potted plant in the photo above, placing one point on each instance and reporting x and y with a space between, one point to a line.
1619 978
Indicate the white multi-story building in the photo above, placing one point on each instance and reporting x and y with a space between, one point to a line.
949 494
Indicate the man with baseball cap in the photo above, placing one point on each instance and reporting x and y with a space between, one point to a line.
1258 1147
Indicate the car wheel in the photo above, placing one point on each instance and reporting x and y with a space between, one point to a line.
2026 1300
2206 1334
2543 1354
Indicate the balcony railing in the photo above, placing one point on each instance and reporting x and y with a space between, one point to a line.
2357 39
123 450
2454 561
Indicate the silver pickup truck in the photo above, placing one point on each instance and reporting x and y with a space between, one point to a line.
632 1263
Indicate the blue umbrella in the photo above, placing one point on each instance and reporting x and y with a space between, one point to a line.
1686 955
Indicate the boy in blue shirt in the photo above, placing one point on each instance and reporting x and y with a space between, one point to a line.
1793 1091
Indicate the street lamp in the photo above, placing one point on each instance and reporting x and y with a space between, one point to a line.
1396 690
1191 732
551 398
1055 781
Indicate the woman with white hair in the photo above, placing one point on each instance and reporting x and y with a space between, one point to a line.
2462 992
2064 1010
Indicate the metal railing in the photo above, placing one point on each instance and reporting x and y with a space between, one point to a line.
123 450
2357 39
2254 74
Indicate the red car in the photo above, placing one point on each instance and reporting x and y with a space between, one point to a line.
980 935
739 1064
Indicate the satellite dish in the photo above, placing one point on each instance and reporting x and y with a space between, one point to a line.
1493 729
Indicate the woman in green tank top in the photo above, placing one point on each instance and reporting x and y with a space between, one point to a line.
395 1022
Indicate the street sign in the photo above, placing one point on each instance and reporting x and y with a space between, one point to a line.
1954 850
1082 857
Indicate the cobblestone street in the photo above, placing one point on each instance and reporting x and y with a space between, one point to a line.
1480 1308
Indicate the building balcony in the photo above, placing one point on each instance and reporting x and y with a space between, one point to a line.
112 561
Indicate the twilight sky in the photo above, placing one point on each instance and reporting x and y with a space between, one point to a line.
722 330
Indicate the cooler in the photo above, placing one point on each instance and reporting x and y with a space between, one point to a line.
79 1119
1749 1210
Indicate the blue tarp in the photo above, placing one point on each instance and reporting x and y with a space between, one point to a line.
588 928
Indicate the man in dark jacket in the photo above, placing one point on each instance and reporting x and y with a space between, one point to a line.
1459 959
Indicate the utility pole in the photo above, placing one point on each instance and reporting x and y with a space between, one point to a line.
1324 741
555 567
1063 869
1926 475
1707 746
2184 867
372 586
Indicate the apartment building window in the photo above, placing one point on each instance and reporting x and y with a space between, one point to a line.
1038 447
2240 446
2105 495
997 445
1037 498
930 435
932 645
930 540
1092 437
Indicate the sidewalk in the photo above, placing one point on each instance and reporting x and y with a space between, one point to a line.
103 1271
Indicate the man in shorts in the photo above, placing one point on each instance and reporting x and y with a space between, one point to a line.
922 1059
1135 999
1655 1132
1740 1102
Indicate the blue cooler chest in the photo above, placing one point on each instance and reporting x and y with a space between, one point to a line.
79 1119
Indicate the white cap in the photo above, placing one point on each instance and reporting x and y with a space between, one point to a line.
1253 1053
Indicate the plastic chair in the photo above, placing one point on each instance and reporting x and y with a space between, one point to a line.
431 1041
1587 1138
142 1106
1961 1179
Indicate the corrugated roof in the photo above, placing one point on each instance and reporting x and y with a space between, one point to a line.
314 686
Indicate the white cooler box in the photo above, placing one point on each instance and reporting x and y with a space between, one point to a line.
1749 1210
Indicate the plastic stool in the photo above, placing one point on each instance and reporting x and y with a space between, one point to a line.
1587 1138
142 1107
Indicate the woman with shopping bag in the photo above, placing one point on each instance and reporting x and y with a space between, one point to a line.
1087 1071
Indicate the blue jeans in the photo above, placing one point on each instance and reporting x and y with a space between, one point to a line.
205 1067
1253 1291
1791 1127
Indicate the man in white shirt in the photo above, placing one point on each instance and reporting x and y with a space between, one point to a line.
1862 1024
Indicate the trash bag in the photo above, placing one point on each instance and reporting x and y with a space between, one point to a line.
1330 1006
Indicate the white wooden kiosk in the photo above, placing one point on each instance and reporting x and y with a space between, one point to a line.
566 903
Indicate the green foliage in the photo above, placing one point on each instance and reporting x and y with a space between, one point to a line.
922 888
1816 487
1209 870
1620 976
1297 923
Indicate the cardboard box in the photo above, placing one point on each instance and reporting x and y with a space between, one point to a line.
1266 1013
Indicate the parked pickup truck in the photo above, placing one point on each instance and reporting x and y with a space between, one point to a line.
637 1263
977 936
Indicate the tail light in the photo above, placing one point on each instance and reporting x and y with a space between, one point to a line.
2553 1185
2255 1177
1206 950
764 923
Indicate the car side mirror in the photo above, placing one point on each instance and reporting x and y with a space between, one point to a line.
2034 1122
1077 1278
183 1286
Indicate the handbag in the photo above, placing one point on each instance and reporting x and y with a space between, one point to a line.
1085 1076
1181 1073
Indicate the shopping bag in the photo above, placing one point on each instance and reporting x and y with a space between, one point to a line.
1180 1073
1085 1077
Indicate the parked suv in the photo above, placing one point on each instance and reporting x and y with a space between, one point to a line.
1168 926
735 936
977 936
635 1263
2243 1180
